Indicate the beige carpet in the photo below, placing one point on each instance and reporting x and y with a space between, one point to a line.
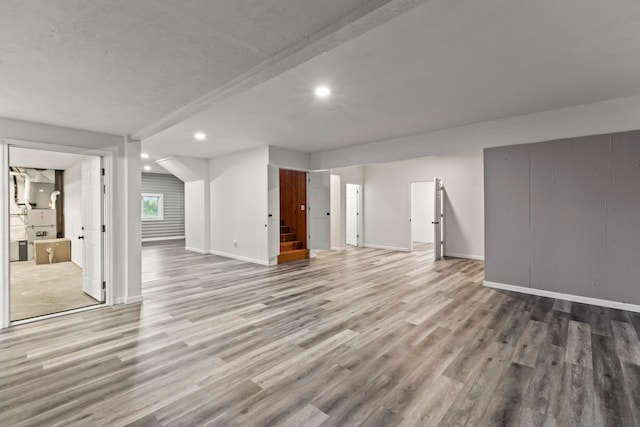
37 290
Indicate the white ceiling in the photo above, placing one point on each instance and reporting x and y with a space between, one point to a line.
138 67
40 159
444 64
118 66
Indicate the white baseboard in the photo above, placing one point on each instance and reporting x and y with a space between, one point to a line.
387 248
117 301
240 258
466 256
133 300
200 251
566 297
338 248
160 239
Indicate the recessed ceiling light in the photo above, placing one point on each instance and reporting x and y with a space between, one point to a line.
200 136
147 168
322 91
144 155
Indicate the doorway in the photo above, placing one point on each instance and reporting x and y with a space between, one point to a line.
422 210
55 232
352 214
427 217
293 216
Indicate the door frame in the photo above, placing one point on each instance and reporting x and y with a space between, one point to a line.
108 180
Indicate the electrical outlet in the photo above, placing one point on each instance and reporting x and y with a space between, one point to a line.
235 243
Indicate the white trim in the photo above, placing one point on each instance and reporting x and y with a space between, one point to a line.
159 239
387 248
240 258
58 314
338 248
108 238
200 251
466 256
5 293
566 297
133 300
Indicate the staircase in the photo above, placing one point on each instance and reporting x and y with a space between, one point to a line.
291 249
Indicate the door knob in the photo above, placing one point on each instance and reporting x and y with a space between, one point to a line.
80 237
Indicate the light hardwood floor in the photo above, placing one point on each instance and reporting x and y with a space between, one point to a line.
359 337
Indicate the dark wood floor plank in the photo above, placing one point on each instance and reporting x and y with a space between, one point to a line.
358 337
632 386
508 399
579 344
611 402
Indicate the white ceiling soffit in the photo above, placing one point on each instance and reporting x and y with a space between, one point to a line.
40 159
136 67
442 65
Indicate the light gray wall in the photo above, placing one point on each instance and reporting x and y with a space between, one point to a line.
562 216
387 202
172 190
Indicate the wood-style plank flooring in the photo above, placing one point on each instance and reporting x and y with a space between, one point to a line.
358 337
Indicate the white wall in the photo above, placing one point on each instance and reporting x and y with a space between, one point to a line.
239 205
336 212
350 175
422 209
387 202
289 159
73 210
616 115
194 172
195 216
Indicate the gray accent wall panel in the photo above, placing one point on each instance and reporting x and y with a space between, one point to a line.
507 224
569 180
583 199
172 190
623 219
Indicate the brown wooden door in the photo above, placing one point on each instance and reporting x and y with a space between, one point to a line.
293 203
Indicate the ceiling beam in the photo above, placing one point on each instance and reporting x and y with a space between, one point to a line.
365 18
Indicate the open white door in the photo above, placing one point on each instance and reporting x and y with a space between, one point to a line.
92 228
319 210
438 220
273 202
353 195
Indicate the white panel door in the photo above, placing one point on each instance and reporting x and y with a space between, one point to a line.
438 219
273 202
92 228
319 210
353 194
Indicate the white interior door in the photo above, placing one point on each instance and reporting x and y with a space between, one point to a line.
319 210
92 228
438 219
273 220
353 201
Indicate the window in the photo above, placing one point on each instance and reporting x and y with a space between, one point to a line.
151 207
